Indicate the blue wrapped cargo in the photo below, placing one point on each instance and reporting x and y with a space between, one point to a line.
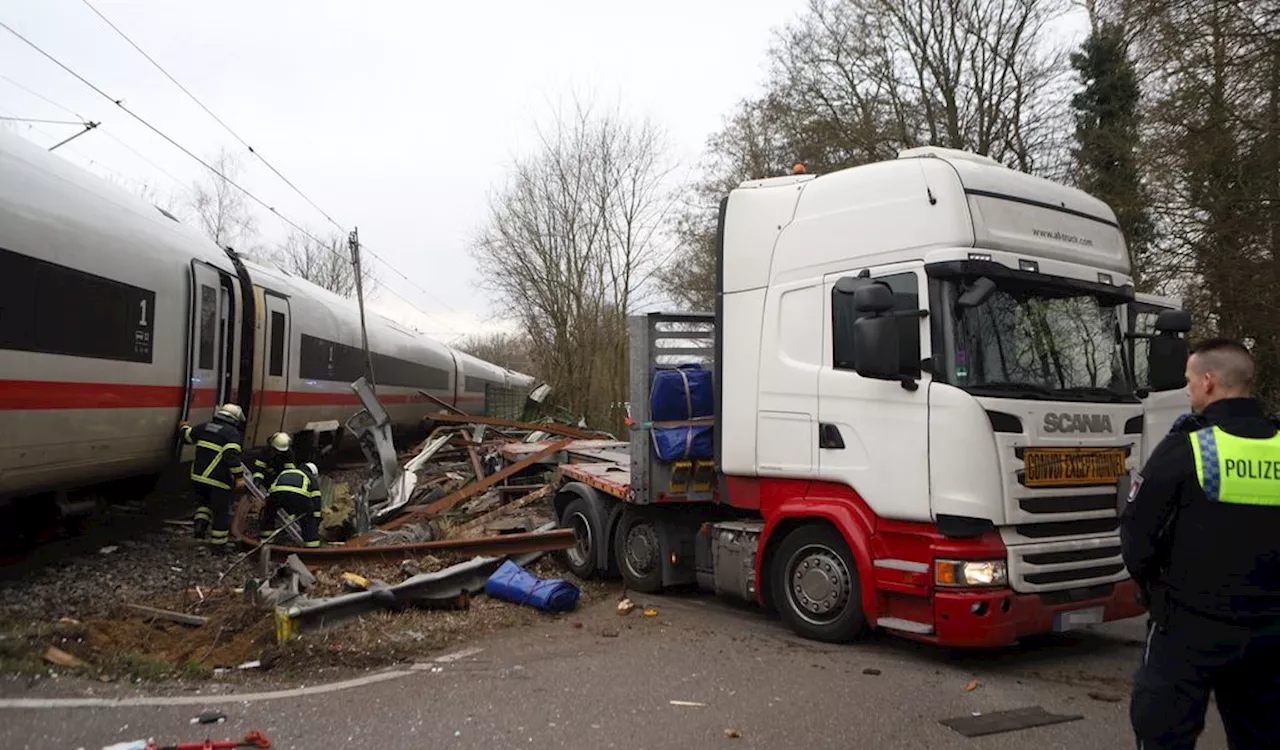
514 584
684 392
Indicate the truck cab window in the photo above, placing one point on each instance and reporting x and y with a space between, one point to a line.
906 295
1041 342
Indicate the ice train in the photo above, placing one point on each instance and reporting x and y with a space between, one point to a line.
117 321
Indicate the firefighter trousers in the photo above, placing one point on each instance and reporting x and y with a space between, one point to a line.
1190 655
213 513
294 505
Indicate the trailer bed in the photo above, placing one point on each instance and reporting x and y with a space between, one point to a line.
602 464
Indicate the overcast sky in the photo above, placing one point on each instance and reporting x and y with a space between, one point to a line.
398 117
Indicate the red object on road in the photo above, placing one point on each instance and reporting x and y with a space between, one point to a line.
252 739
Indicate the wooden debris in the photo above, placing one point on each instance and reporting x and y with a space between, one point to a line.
55 655
464 493
480 521
166 614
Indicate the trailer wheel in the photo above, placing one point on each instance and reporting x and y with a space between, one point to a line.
581 557
639 552
815 585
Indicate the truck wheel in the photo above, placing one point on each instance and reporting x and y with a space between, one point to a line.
639 552
581 557
815 585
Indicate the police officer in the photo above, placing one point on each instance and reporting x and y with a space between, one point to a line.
298 493
217 465
269 460
1201 537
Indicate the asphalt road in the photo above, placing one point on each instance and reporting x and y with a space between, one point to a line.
598 680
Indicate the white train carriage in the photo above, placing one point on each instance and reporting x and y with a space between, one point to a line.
117 321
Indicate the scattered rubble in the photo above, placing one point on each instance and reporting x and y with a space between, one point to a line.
412 545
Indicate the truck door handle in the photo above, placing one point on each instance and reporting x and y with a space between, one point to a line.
829 436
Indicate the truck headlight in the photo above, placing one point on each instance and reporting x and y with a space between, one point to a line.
970 572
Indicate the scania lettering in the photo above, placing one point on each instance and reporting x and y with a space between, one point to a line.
916 407
1077 423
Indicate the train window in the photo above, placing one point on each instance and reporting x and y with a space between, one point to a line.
277 344
113 320
208 326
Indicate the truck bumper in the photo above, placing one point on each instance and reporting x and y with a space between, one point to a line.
987 619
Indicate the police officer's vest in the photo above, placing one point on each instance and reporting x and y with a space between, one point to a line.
1237 470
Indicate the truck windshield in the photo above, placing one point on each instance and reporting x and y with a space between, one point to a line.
1033 341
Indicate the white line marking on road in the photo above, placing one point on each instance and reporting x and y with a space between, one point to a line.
456 655
198 700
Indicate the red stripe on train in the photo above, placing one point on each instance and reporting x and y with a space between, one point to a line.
48 395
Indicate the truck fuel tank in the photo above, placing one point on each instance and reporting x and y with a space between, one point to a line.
726 557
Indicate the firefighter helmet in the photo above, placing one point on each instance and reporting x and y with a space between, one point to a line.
281 442
230 413
312 468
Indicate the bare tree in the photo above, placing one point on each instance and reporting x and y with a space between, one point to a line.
324 260
856 81
509 350
572 241
221 211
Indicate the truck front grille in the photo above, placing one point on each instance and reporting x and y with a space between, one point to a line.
1068 528
1070 504
1047 566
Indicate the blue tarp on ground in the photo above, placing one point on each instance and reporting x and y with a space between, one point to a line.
514 584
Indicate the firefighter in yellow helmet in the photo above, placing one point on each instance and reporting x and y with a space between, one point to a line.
216 467
296 491
270 459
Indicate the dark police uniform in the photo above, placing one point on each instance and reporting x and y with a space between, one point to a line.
298 493
213 471
1201 537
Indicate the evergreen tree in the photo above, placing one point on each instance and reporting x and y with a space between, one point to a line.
1107 137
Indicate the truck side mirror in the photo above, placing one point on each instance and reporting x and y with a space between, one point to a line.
873 298
875 335
1173 321
875 347
1167 355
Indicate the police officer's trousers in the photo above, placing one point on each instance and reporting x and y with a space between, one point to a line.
1190 655
214 512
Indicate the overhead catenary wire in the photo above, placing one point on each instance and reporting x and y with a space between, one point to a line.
43 122
208 111
262 158
203 163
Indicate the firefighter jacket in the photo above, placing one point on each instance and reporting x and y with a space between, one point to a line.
217 460
264 467
292 481
1201 524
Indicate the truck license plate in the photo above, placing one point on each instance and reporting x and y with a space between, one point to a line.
1076 618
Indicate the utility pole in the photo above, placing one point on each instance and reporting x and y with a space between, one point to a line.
354 242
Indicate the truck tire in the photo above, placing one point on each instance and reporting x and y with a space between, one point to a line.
638 551
814 584
581 558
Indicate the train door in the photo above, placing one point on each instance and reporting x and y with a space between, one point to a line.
275 366
209 365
